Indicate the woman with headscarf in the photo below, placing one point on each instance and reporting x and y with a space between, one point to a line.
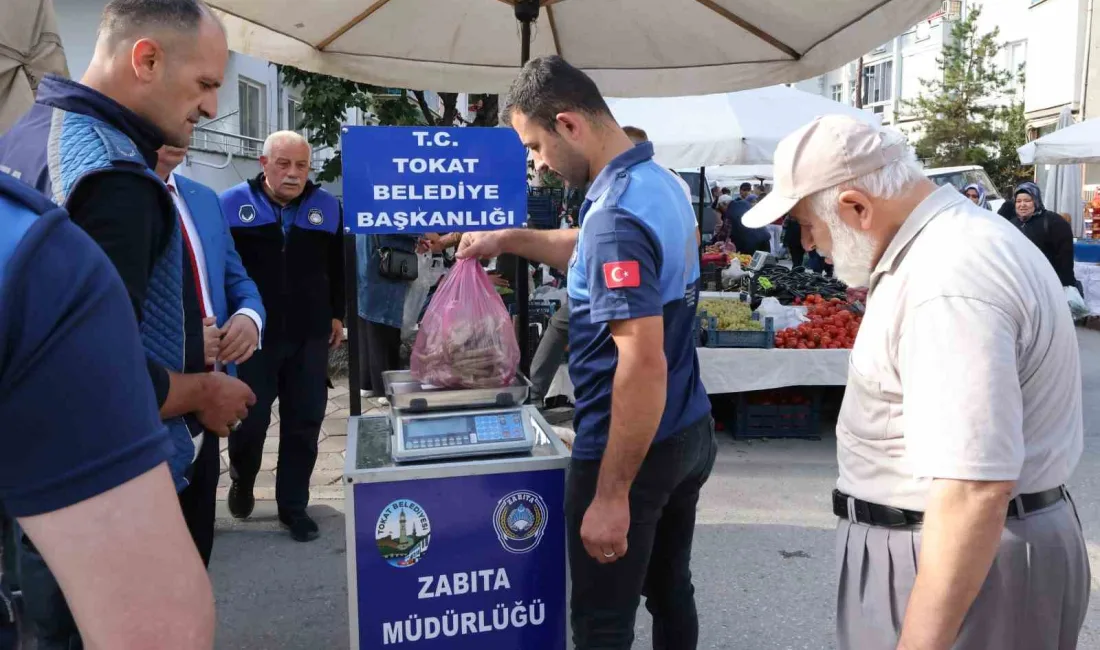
1047 230
976 193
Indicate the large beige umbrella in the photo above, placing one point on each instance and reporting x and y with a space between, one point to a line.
631 48
30 48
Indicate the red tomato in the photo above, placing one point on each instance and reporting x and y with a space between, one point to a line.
811 345
801 346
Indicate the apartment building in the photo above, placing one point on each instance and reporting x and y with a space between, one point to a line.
253 102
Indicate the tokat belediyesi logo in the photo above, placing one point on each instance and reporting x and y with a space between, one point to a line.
403 533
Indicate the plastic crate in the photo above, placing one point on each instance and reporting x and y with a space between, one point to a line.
777 420
716 338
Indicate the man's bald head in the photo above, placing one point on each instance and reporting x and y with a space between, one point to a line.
162 59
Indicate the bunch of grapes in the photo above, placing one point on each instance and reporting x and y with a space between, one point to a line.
832 326
731 314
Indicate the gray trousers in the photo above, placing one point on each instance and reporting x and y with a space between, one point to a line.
1034 598
550 353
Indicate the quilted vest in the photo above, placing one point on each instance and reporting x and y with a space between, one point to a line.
77 147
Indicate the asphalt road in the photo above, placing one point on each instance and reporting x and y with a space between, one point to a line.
763 556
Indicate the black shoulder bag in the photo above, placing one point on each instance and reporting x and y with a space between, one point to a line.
396 264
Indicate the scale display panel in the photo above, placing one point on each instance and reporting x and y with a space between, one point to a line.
460 434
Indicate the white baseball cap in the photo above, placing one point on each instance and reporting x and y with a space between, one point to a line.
826 152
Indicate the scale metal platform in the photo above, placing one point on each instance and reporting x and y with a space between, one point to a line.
433 424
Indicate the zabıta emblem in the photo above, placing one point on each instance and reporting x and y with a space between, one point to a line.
403 533
316 217
247 213
520 521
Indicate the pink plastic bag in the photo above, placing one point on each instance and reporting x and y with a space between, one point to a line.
466 339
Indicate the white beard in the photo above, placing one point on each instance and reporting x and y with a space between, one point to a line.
853 253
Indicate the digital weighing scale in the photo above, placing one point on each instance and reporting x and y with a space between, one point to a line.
432 424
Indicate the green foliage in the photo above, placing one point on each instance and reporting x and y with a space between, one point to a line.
1005 170
963 120
326 101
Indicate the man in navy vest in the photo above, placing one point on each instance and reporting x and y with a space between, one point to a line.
288 233
83 464
219 284
91 147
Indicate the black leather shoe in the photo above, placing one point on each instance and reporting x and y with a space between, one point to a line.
241 501
302 527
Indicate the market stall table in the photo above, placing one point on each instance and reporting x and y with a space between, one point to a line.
736 370
1089 277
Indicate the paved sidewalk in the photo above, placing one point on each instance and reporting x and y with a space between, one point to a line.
330 458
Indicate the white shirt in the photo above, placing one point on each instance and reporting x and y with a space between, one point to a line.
966 365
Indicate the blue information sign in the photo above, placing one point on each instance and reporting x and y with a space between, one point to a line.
470 562
400 179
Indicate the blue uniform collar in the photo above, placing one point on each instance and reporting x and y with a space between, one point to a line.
640 153
74 97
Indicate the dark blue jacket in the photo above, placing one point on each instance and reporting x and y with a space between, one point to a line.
294 253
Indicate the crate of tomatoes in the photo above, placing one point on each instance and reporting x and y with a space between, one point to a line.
831 325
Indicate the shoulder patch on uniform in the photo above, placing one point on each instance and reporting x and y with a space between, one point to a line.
316 217
247 213
119 147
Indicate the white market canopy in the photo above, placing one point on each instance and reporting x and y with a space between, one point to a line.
631 48
741 128
1079 143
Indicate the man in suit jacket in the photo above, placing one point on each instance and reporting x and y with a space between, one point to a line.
232 314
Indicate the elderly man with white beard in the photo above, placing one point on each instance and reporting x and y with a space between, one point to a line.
961 421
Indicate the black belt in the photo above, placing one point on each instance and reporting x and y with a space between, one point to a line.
873 514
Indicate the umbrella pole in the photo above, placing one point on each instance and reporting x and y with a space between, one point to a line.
527 12
702 199
351 320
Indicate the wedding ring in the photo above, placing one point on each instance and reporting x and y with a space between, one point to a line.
233 427
611 554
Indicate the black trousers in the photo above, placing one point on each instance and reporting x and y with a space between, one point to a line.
199 499
44 605
379 351
658 559
296 373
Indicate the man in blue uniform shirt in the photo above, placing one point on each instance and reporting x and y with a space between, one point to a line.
82 466
645 441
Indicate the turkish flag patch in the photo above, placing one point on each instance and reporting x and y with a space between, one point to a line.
622 275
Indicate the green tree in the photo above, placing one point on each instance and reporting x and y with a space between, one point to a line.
963 115
326 101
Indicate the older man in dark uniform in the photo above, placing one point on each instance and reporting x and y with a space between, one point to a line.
288 233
